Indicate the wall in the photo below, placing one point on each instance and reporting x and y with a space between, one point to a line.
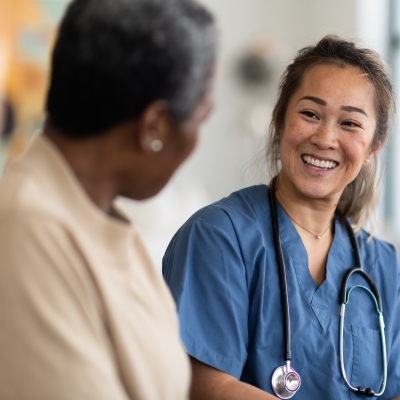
226 157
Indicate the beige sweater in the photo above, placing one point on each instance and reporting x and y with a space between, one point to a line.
83 313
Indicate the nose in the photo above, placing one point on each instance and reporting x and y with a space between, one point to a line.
325 137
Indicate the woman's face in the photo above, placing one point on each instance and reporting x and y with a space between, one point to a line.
178 143
328 131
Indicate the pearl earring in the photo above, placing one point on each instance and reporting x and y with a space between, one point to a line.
367 161
156 145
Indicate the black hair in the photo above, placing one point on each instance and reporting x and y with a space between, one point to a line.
112 58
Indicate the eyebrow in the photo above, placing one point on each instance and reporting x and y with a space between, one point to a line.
351 109
315 100
324 103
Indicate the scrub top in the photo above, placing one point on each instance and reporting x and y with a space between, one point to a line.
222 270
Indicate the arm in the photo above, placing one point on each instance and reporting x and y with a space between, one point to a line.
204 271
211 384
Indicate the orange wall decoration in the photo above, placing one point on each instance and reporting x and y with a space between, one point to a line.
27 31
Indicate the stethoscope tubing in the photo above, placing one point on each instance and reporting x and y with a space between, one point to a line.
282 275
344 297
383 348
357 269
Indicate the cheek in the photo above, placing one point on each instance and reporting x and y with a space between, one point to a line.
294 134
186 146
357 150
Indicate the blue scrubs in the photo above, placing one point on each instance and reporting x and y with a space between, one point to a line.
223 273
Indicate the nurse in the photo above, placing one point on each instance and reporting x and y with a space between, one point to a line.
328 128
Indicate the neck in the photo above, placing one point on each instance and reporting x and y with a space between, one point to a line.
87 159
312 216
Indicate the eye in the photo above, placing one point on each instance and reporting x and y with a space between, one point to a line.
309 114
351 124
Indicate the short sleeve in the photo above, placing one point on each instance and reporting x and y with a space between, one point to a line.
204 269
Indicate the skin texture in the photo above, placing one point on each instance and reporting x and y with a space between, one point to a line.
322 120
329 129
121 160
331 117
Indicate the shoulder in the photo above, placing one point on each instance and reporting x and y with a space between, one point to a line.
29 218
375 247
15 190
23 198
239 207
380 259
235 225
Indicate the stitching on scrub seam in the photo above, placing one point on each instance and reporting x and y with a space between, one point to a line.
316 316
212 356
301 288
297 279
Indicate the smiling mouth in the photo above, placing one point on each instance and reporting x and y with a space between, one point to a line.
322 164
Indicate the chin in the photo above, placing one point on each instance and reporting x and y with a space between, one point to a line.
313 190
321 193
145 193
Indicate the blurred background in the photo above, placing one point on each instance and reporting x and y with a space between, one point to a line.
258 39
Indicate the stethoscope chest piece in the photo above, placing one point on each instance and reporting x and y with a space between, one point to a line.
285 382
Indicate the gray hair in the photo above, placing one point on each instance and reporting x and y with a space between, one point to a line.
114 57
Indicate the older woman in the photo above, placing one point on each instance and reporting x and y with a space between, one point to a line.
237 267
84 314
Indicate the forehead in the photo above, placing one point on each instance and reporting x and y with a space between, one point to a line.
337 84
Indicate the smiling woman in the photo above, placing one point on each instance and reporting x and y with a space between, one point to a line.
237 265
330 120
365 64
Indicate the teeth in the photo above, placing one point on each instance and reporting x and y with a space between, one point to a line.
319 163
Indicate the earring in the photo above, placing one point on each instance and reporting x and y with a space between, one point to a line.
156 145
367 161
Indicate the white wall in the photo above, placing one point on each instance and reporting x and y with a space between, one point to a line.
226 147
372 26
222 161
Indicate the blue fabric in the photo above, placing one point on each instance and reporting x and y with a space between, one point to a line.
222 270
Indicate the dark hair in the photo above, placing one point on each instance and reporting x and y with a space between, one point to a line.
112 58
360 197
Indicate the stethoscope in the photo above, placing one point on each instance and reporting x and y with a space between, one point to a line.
285 381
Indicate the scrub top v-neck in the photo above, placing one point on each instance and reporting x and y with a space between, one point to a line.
222 270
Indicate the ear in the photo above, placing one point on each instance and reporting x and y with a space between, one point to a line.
155 126
373 153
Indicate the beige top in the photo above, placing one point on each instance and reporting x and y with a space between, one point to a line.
83 313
